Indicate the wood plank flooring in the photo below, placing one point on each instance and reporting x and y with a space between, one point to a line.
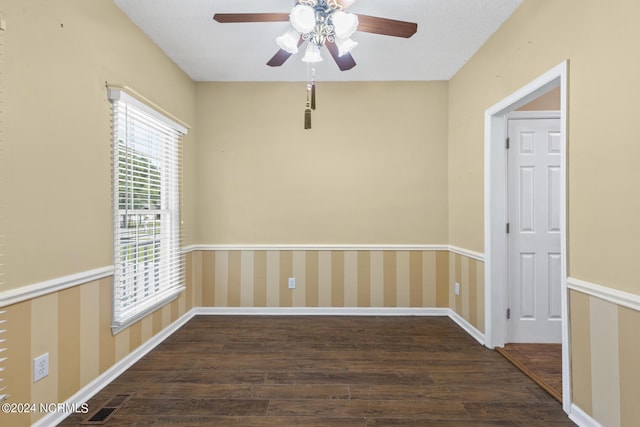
540 362
325 371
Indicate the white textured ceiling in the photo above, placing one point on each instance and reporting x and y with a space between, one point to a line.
449 33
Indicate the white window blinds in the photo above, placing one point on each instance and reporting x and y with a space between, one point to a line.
146 165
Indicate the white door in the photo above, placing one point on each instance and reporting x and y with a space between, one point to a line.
533 239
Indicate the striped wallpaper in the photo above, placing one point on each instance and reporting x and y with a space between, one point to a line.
323 278
341 278
605 362
469 273
74 325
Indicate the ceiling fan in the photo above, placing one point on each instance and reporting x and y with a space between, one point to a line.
322 23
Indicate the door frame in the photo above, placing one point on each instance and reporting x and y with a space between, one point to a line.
495 212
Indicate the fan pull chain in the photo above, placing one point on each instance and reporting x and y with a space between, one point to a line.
307 111
313 88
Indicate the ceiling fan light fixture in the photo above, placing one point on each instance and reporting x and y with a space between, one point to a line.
345 46
321 23
312 54
289 41
303 18
345 24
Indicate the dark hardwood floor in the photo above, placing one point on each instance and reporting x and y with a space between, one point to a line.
325 371
540 362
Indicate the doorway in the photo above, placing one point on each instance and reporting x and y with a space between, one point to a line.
496 214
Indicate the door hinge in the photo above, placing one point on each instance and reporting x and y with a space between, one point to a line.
507 143
508 228
508 313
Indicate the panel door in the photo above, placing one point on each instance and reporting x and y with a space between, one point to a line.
534 255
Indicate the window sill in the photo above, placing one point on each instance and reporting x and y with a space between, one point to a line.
120 325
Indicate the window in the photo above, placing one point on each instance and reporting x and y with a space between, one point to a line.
146 163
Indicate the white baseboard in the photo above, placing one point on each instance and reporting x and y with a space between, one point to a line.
581 418
468 327
91 389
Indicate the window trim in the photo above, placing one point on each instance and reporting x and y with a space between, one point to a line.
125 94
165 295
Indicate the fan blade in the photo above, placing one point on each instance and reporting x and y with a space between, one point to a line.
345 62
282 55
387 27
279 58
226 18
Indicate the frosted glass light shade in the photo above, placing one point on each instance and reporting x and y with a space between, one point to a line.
303 18
345 24
312 54
289 41
345 46
347 3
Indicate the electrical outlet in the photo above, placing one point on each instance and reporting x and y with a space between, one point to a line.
457 288
40 367
292 282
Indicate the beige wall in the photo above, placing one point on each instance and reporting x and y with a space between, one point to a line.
56 186
58 56
598 39
3 163
406 166
550 101
372 169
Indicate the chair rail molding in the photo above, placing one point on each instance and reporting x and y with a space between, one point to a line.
24 293
315 247
615 296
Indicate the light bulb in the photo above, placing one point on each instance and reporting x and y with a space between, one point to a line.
303 18
345 24
312 54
